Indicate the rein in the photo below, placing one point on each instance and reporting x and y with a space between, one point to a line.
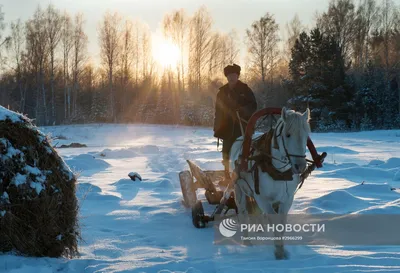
310 167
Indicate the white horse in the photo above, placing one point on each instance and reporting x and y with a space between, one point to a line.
291 132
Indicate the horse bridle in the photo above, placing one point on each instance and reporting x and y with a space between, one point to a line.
288 155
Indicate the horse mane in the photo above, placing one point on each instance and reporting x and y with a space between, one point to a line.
295 123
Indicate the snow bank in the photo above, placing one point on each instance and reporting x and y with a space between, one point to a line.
86 162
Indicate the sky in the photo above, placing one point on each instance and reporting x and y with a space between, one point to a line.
227 14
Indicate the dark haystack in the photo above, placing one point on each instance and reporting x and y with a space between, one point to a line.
38 205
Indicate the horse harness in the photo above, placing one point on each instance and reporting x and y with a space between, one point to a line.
264 158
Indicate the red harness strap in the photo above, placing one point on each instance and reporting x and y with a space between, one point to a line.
250 131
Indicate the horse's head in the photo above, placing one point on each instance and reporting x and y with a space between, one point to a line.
293 130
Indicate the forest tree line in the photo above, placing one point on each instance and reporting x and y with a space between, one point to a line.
345 67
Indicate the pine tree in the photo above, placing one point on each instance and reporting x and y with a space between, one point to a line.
318 77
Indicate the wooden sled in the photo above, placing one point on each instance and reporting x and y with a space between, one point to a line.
196 178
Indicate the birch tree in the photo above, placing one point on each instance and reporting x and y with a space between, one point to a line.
262 41
66 45
200 39
79 45
175 25
17 49
53 29
110 46
37 52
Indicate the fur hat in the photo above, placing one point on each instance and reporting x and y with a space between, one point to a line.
232 69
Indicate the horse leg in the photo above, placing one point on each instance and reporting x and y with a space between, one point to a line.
240 198
277 216
241 204
263 205
280 252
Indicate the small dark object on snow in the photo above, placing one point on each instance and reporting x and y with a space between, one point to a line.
134 175
73 145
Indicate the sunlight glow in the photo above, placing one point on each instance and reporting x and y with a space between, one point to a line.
166 53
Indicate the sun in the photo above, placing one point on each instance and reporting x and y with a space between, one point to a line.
166 53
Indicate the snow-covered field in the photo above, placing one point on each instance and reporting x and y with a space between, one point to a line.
133 226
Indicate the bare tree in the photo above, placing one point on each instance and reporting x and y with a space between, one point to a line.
200 39
67 44
127 52
53 28
37 52
339 21
146 52
136 50
110 50
233 47
79 57
17 45
5 42
367 19
175 26
229 49
2 25
126 60
262 41
293 30
389 18
217 46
